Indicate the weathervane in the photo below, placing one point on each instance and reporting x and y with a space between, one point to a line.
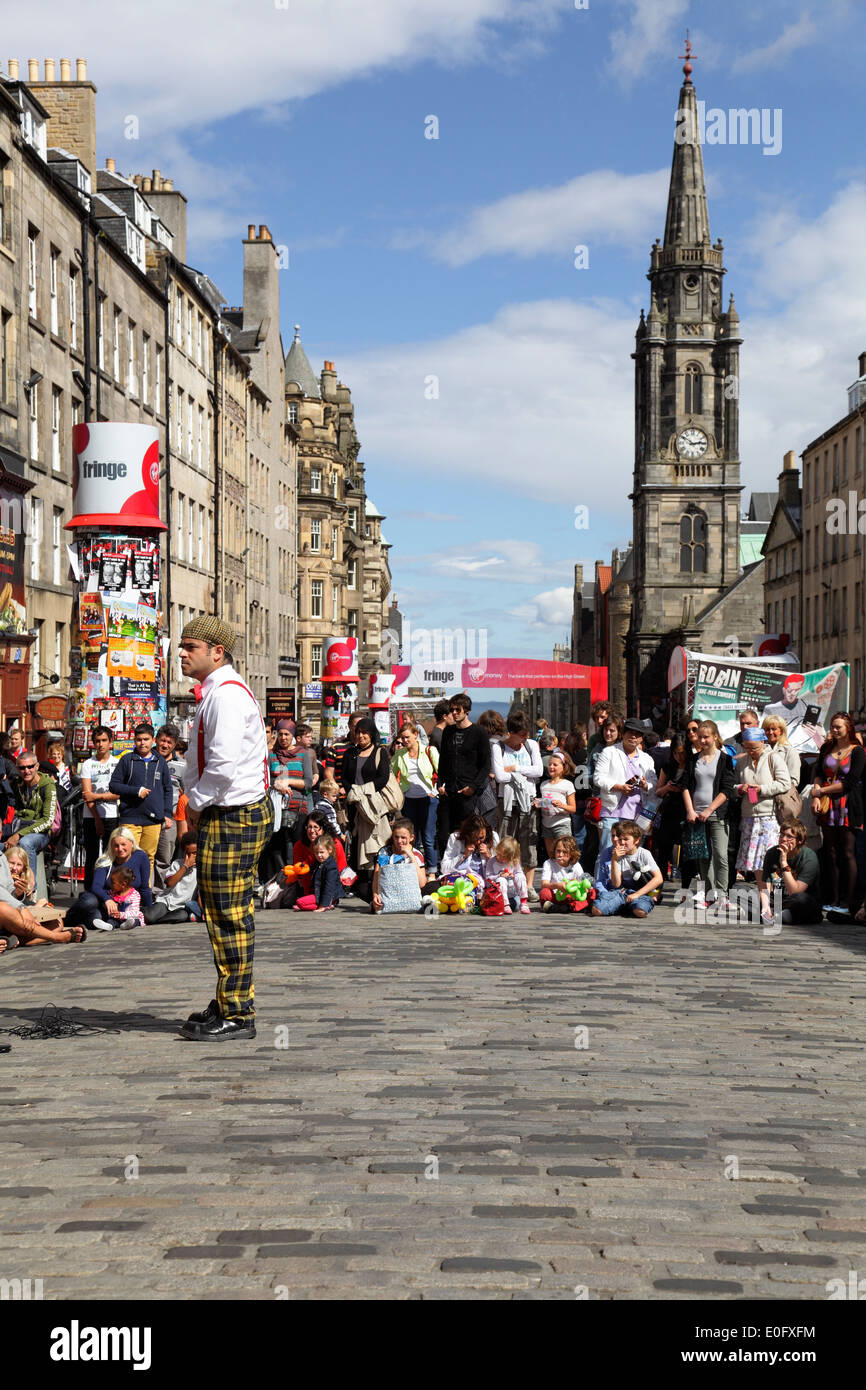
688 55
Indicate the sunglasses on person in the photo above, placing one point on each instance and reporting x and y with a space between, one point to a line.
26 767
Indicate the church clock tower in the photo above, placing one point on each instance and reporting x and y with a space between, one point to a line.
687 468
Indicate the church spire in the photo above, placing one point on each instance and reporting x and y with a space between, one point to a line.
687 222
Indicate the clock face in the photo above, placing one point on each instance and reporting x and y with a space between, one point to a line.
691 443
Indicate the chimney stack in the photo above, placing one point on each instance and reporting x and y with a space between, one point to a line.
264 234
13 69
71 108
109 164
789 480
169 204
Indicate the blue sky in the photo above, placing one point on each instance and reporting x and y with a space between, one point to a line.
453 258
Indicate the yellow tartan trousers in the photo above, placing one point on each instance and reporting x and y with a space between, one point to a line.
230 840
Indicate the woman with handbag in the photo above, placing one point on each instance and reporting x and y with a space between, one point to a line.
365 765
709 785
415 769
837 803
288 793
761 776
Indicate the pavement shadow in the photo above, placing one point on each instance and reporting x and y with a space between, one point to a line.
852 936
97 1020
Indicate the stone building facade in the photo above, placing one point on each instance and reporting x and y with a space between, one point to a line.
834 550
783 555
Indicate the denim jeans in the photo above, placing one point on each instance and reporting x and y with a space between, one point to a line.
611 901
33 845
605 826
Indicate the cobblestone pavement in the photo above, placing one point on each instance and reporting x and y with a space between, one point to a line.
706 1142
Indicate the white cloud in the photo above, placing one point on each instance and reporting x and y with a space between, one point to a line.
599 206
550 609
464 565
181 66
797 35
647 33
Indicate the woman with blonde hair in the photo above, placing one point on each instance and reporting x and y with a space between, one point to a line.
708 786
776 729
96 908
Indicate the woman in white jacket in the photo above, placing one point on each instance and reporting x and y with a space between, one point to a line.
624 776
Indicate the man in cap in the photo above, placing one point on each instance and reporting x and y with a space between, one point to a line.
624 774
227 785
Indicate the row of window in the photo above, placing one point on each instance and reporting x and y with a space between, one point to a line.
833 478
191 431
193 533
128 358
56 571
824 615
196 339
43 650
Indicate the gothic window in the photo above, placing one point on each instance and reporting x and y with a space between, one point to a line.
693 404
693 543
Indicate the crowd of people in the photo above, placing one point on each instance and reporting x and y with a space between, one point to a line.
500 814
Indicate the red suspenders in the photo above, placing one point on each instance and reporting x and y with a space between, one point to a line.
201 731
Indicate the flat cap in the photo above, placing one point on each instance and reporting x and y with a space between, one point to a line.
635 726
210 629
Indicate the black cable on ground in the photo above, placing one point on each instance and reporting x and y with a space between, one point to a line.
56 1023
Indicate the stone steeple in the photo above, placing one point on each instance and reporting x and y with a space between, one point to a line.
298 370
687 222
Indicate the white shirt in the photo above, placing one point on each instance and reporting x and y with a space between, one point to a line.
235 747
612 767
100 776
183 891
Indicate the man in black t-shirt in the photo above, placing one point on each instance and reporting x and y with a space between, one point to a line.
441 721
464 764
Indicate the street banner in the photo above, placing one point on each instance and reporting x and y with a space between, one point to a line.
720 690
513 672
279 703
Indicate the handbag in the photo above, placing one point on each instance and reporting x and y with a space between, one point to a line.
592 810
487 799
693 840
398 886
789 805
391 793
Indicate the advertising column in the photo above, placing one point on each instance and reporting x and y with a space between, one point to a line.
339 685
381 685
118 671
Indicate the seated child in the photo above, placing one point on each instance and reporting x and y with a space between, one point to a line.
563 866
322 886
504 867
23 877
625 875
402 845
128 901
178 900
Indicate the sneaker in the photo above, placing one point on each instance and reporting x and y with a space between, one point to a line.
426 900
531 896
546 906
699 901
101 925
524 906
508 909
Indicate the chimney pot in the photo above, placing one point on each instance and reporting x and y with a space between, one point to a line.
251 231
790 460
32 69
168 185
146 185
49 70
264 234
13 69
81 69
65 70
329 366
157 180
109 164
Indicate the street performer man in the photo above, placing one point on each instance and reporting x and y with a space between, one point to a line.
227 786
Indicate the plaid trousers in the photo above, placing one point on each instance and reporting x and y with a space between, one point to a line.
230 840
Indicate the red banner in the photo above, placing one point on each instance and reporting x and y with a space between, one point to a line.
514 672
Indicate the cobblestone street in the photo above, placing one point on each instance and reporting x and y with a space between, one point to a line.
706 1142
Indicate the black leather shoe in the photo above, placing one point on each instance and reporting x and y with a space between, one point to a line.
212 1011
215 1029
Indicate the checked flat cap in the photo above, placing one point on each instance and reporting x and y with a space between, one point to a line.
210 629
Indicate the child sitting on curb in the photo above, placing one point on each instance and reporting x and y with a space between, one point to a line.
625 875
400 846
504 868
562 867
178 900
122 892
323 891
